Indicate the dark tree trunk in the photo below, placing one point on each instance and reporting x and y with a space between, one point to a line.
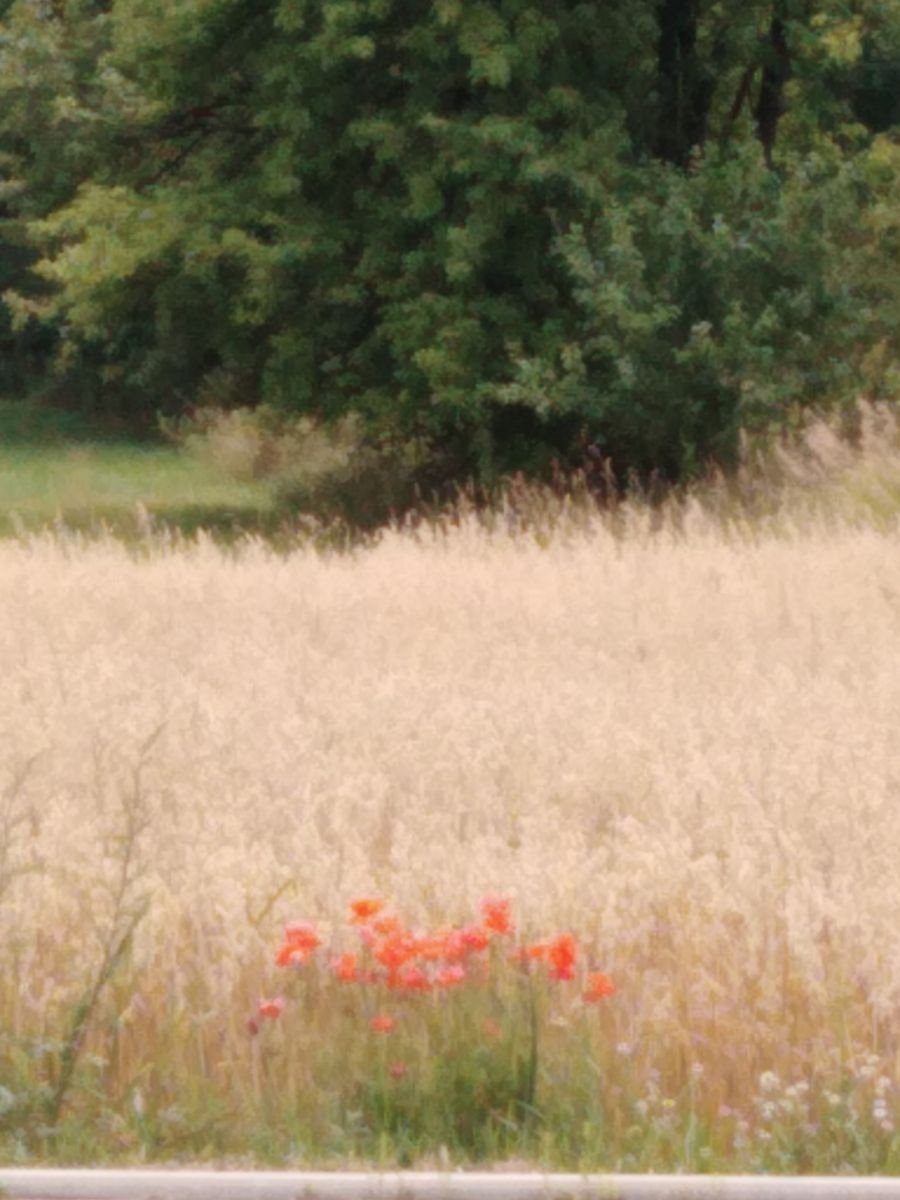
770 106
685 84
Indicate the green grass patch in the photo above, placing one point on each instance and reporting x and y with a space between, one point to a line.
117 486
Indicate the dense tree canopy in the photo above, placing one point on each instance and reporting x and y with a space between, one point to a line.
506 232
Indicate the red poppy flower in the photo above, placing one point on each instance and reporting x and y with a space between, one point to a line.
496 915
412 979
364 910
452 974
395 950
454 948
598 987
271 1008
382 1024
345 968
475 937
562 954
292 956
302 935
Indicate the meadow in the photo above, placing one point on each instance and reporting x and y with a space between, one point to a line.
671 735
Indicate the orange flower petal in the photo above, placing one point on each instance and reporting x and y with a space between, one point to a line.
364 910
387 925
598 987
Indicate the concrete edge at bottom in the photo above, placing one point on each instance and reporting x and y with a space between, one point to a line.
26 1183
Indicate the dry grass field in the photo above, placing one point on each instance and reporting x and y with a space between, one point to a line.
676 739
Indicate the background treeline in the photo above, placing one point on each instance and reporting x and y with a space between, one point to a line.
473 236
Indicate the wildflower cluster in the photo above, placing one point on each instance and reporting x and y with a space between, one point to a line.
400 960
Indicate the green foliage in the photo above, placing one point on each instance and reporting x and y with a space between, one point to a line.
504 236
27 425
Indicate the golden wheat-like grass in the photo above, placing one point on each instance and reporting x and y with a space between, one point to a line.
682 745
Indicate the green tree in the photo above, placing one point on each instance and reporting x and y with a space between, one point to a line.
506 233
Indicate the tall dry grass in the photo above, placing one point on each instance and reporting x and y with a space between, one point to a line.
675 736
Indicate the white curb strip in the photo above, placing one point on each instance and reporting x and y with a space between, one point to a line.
31 1184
